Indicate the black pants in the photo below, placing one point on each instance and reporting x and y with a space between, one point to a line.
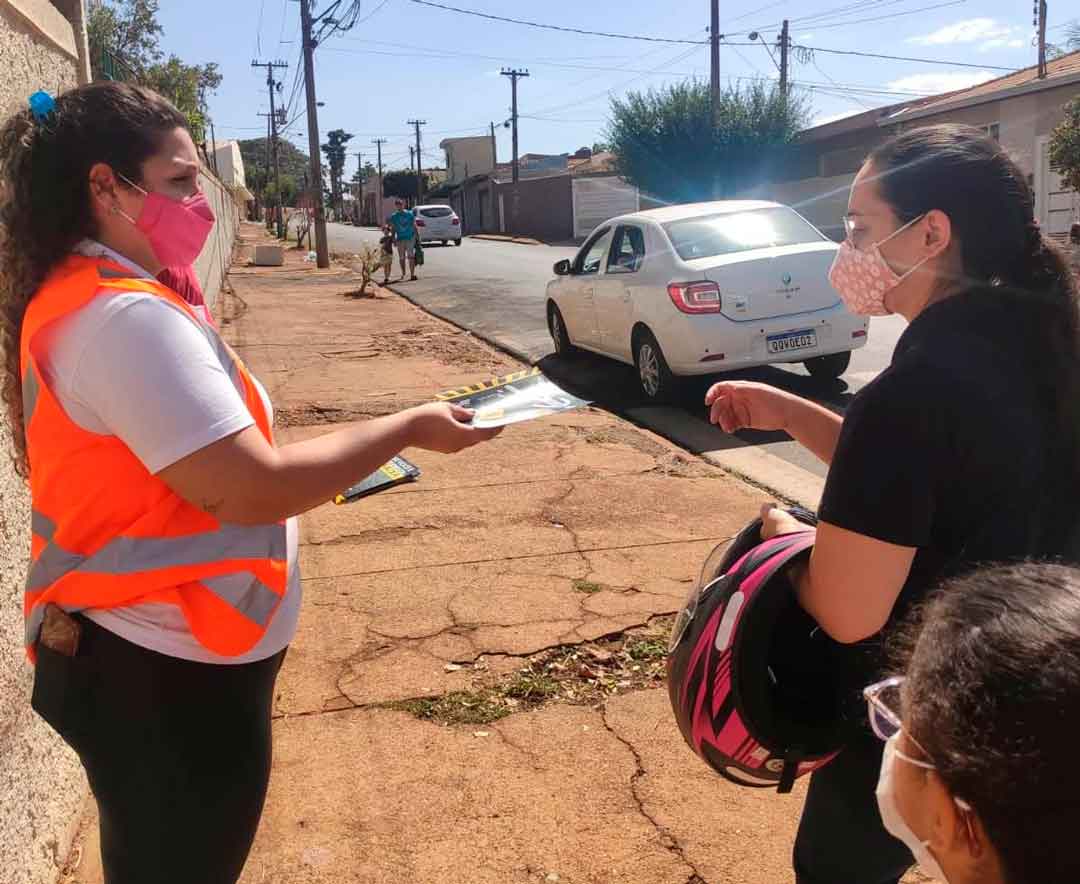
841 838
177 754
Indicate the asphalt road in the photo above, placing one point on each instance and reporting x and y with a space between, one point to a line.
496 289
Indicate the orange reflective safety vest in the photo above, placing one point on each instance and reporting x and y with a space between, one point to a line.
105 532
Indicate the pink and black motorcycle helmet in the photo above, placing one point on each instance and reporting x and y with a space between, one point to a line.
749 670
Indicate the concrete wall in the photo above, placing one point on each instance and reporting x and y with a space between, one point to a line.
538 207
42 787
213 264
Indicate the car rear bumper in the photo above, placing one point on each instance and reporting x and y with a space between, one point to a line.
696 345
438 234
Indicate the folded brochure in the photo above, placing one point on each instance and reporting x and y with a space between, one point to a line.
521 396
388 475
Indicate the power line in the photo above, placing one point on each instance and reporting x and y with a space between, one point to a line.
258 30
957 64
859 21
545 27
695 43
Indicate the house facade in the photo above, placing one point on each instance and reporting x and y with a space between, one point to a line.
468 156
1019 110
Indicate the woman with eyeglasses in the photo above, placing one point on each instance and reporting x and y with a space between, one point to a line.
978 774
964 450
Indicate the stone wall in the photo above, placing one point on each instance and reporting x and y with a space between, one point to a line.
42 788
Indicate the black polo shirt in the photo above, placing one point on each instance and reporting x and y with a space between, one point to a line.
949 449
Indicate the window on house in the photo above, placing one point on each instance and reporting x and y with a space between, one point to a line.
991 129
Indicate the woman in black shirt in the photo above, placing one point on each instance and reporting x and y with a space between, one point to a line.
963 450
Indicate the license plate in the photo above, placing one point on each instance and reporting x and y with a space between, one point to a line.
789 341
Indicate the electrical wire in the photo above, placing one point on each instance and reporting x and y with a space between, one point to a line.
546 27
258 30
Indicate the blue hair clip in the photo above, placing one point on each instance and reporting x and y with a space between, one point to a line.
41 105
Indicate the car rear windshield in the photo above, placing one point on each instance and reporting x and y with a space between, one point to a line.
731 232
437 212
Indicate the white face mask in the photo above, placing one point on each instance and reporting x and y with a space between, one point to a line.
890 812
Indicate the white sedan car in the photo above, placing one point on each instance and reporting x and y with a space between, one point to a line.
435 223
703 288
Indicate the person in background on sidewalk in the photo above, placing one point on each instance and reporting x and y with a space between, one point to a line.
964 450
387 256
185 282
163 587
978 776
404 223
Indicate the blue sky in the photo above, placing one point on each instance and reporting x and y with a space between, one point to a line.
411 61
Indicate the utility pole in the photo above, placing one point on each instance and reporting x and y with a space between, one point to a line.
514 74
321 251
266 177
1040 24
494 151
359 205
379 142
714 43
272 85
419 178
784 41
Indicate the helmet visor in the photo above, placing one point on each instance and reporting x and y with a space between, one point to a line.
710 573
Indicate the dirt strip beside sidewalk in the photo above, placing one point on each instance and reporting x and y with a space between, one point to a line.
475 693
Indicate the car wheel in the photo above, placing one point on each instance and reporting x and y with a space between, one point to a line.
559 336
444 242
457 242
654 377
828 368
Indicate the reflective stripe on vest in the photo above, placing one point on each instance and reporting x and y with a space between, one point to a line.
98 513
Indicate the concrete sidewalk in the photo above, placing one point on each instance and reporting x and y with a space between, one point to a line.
475 693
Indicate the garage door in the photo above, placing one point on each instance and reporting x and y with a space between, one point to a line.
1056 206
598 199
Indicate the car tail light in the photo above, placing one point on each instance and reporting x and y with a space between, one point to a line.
695 297
455 221
420 223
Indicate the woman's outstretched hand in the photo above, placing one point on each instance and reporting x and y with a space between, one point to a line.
446 428
747 405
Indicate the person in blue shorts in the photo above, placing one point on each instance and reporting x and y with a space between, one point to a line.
404 224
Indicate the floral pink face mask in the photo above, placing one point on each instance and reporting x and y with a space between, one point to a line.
863 279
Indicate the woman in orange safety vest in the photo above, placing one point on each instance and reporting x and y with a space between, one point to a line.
163 589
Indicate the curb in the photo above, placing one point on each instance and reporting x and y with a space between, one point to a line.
519 240
509 349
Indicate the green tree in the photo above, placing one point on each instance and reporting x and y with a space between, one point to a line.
666 143
336 139
1065 145
401 183
130 32
128 29
186 86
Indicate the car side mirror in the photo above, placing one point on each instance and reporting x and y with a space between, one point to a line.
562 268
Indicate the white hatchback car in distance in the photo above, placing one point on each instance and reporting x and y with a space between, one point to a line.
435 223
704 288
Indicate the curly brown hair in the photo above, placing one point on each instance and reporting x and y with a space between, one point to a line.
45 206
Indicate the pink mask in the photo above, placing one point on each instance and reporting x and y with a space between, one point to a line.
863 279
177 229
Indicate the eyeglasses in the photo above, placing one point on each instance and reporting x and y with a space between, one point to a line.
882 703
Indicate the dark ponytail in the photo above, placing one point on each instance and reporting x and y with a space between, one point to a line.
1005 257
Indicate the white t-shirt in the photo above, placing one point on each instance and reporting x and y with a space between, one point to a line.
134 366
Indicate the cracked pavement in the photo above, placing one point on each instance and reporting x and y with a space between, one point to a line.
481 562
418 591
